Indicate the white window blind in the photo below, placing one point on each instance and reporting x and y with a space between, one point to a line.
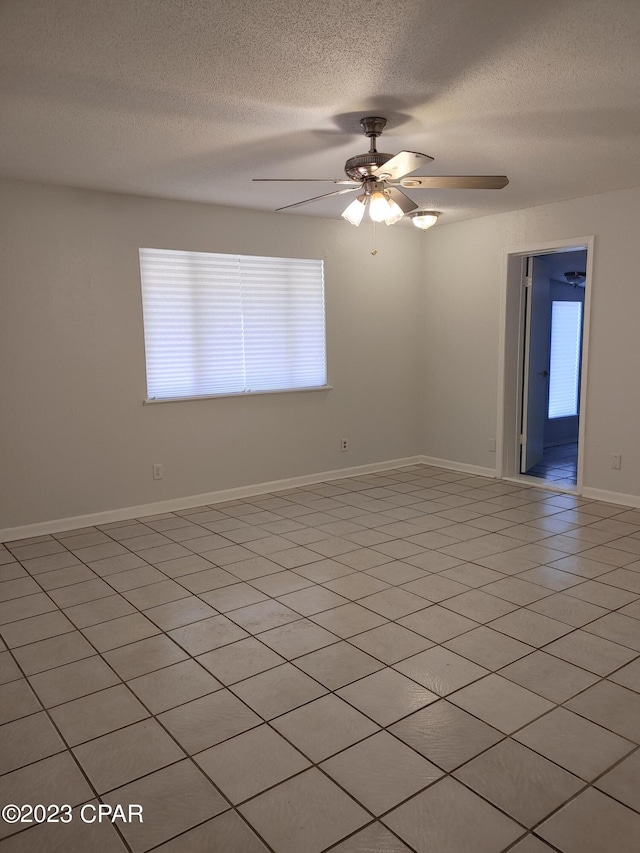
564 369
230 324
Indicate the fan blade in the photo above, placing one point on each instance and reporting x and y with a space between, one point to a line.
401 164
403 201
316 198
312 180
456 182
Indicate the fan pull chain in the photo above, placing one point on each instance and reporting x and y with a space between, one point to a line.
374 251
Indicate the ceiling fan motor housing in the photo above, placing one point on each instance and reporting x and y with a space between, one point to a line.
365 165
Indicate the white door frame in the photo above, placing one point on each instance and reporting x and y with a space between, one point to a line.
511 353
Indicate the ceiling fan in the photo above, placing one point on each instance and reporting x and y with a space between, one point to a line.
378 176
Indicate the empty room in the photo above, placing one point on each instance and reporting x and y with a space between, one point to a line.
319 459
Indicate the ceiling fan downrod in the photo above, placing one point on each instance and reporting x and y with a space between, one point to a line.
372 126
363 166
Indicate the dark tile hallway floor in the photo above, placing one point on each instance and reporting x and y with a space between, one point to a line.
558 466
415 660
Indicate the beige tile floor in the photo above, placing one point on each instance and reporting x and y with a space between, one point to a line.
411 660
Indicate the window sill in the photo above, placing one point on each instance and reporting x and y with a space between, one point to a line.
149 401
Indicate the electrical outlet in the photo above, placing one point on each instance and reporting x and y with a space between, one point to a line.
492 445
158 472
344 444
616 461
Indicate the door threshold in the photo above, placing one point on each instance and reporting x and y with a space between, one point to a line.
538 483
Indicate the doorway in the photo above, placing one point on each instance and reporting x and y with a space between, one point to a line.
543 354
550 419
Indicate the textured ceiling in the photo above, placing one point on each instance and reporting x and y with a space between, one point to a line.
190 99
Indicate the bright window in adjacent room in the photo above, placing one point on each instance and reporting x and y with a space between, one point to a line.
564 369
231 324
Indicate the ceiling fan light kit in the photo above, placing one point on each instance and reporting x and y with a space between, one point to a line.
381 206
378 175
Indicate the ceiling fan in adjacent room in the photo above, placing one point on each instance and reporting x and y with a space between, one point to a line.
378 177
576 278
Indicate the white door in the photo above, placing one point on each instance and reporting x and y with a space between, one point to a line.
536 363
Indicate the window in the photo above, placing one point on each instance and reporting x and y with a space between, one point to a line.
564 368
231 324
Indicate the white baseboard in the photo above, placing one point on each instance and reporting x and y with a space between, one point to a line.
476 470
59 525
611 497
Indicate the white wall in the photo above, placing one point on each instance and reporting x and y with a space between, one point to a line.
463 271
422 314
75 437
